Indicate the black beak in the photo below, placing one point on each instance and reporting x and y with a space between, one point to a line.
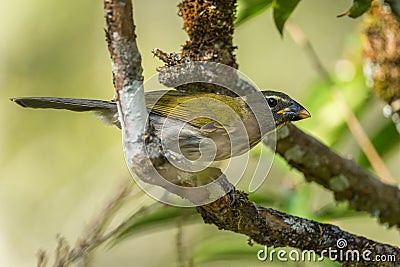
295 112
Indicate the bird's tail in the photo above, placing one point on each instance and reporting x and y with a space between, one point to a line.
107 110
64 103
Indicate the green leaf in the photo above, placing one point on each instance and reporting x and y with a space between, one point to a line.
358 8
297 202
339 210
282 11
221 247
333 129
395 6
251 8
160 217
263 199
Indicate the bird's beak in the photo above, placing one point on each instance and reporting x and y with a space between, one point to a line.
295 112
303 114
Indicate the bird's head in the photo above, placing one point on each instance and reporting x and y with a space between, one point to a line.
283 108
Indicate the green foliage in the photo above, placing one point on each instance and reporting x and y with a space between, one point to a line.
385 141
156 217
335 211
334 130
215 248
234 249
358 8
251 8
395 6
297 202
282 11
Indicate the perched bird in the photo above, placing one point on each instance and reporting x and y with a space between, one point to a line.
185 120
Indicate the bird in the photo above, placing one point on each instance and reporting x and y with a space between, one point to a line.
193 124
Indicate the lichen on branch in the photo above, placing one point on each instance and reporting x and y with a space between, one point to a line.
234 211
381 51
209 26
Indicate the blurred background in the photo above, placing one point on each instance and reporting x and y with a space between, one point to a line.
57 169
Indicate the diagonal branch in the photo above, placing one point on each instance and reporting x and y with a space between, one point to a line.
234 211
352 122
347 180
274 228
317 162
143 150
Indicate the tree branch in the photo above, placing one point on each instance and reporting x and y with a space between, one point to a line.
127 76
209 25
346 179
274 228
144 152
352 122
361 188
364 193
265 226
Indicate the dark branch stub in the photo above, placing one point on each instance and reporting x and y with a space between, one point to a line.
209 25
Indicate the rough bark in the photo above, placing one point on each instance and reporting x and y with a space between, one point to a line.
234 211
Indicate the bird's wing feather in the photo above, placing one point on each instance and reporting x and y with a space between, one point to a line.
206 110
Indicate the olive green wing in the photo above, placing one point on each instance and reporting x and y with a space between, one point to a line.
203 110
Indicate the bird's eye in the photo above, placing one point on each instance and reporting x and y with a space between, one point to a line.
272 102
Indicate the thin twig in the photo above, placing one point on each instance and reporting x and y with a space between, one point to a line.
42 258
65 255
